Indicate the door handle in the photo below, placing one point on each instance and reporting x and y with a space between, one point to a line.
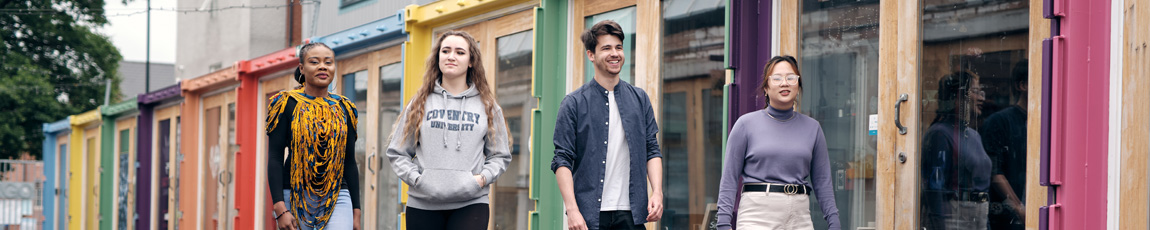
369 162
225 177
897 112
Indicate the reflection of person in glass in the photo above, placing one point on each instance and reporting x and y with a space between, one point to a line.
955 168
450 143
318 186
1005 143
770 154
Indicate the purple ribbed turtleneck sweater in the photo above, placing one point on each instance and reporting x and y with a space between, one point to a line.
781 147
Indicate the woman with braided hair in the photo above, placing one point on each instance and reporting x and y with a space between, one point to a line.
451 141
317 187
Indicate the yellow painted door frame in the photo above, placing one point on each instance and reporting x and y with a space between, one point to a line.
82 207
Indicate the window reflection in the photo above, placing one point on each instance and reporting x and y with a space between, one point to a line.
63 193
839 52
390 104
227 174
692 111
164 148
355 89
126 180
513 89
974 119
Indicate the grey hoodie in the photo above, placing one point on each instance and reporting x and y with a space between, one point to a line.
453 147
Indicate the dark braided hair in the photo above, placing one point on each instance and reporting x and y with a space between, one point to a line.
300 52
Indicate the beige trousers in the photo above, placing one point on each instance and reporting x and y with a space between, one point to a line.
763 210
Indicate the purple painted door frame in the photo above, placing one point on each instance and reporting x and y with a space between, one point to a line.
750 48
147 105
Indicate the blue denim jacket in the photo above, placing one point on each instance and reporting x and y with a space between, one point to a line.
581 144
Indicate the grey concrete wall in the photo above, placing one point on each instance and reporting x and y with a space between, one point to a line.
333 18
209 39
134 77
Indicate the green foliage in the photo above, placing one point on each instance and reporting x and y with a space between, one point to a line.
52 65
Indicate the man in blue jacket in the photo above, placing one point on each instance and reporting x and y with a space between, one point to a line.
605 135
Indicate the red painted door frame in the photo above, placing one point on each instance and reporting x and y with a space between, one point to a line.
248 100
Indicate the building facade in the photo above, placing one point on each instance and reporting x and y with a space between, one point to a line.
1054 91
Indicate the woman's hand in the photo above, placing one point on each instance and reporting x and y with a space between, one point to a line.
285 219
480 180
355 223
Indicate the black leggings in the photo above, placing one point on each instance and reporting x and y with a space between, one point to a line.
469 217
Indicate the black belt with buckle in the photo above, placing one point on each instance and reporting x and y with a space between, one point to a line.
779 188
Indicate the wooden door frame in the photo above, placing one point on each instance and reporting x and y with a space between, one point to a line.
1134 107
896 177
171 113
902 43
221 100
91 189
370 61
126 124
696 152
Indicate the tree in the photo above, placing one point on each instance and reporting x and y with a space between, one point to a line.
53 65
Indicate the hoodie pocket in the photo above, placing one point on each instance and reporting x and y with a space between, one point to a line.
445 185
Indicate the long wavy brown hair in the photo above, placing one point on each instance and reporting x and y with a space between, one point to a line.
475 75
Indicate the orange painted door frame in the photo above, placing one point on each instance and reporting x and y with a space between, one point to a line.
187 214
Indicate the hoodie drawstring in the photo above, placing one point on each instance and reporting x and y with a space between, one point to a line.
458 134
444 93
458 143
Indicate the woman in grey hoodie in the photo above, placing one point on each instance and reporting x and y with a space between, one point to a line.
451 143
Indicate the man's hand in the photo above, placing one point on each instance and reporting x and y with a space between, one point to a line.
655 207
355 223
575 220
1019 209
655 177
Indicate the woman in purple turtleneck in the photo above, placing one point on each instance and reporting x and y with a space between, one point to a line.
770 153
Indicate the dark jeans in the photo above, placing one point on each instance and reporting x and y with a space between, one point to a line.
468 217
618 220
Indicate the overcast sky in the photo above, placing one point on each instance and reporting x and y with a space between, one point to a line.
127 26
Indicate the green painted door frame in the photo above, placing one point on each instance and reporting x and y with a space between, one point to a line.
107 168
550 87
730 77
108 157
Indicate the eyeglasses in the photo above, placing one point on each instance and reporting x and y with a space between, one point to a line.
777 79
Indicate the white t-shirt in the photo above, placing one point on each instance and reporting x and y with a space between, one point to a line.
617 175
